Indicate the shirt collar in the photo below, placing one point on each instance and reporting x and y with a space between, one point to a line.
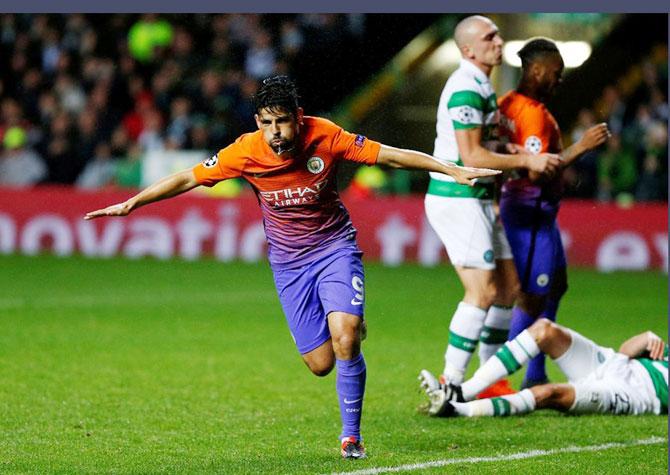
471 67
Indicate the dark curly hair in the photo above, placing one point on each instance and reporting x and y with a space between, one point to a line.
536 48
277 93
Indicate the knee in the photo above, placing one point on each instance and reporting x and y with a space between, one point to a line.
347 344
321 368
487 295
543 331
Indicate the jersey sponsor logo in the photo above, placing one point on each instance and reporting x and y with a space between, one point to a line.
533 144
360 141
542 280
211 161
294 196
359 295
488 256
315 165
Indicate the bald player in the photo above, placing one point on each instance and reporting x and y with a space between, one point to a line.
291 163
464 217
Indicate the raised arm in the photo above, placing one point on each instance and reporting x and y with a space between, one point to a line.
474 154
592 138
647 342
410 159
167 187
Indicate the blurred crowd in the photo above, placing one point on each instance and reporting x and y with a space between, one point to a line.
633 165
83 97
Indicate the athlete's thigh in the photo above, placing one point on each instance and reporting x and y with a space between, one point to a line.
341 283
298 294
534 248
582 357
465 227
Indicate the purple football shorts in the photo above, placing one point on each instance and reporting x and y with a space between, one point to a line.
536 244
333 283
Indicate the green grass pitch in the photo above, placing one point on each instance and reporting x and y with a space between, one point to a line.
116 366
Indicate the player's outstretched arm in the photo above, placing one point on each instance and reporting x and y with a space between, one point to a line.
164 188
474 154
647 342
592 138
410 159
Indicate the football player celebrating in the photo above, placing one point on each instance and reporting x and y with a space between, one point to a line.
291 163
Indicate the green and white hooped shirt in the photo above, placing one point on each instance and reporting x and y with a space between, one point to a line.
467 101
658 372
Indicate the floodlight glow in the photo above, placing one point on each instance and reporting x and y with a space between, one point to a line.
510 50
574 52
446 53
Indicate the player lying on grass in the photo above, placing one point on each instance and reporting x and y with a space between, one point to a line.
632 381
291 163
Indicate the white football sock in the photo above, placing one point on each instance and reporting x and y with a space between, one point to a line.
511 404
464 330
495 331
509 358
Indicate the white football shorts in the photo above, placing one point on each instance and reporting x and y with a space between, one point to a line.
469 229
605 381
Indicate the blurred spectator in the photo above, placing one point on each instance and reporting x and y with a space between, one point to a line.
20 165
292 38
99 172
261 59
151 138
612 109
180 123
617 170
652 184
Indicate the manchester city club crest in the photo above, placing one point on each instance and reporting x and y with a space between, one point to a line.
315 165
542 280
210 162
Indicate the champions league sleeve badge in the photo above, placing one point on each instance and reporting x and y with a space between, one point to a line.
533 144
211 161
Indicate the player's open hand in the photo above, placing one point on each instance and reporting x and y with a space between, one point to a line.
120 209
467 175
595 136
655 346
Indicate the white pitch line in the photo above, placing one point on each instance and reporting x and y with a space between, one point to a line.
504 458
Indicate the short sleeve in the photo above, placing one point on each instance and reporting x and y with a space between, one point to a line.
354 147
226 163
466 109
534 130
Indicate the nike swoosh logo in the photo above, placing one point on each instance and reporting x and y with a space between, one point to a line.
356 302
346 401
